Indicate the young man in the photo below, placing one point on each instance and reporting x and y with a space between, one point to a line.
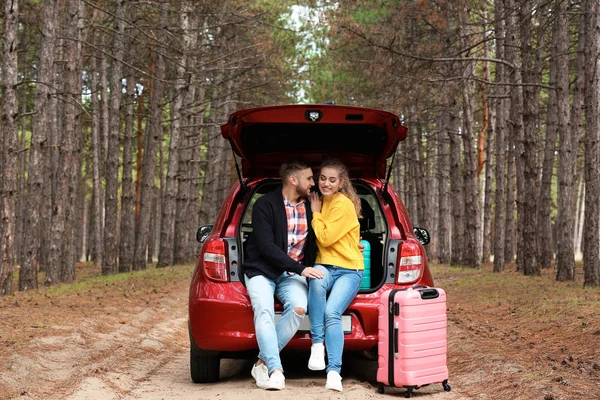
280 255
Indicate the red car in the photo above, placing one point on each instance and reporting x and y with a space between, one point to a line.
220 313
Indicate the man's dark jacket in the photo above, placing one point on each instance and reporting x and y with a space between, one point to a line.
266 253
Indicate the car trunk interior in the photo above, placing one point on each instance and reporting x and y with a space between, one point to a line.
373 229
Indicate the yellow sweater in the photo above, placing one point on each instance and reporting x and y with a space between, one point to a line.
338 232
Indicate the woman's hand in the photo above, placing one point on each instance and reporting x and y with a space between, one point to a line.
315 202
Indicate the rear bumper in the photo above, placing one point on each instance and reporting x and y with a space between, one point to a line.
223 325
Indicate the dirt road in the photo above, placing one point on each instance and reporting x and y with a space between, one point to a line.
108 343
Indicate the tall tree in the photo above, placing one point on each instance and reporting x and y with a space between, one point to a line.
72 132
152 139
591 236
10 134
188 171
488 129
569 138
443 175
526 105
169 207
111 228
544 225
127 231
500 105
471 251
96 150
38 150
457 188
516 125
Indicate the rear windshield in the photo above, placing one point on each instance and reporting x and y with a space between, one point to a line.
264 138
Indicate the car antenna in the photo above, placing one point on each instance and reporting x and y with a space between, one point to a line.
387 178
239 174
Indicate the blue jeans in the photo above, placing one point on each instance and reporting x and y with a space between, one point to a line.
291 290
325 313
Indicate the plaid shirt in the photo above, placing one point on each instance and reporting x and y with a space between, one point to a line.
297 228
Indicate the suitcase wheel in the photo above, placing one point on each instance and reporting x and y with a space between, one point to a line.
381 388
447 387
409 390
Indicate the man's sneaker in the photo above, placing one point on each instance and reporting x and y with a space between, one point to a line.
334 381
276 381
260 373
316 362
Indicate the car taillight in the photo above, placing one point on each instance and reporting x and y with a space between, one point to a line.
411 262
215 260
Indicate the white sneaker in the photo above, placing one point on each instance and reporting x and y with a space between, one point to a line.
316 362
260 373
276 381
334 381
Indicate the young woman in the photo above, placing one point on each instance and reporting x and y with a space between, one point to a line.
336 227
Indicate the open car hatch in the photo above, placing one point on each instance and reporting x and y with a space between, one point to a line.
362 138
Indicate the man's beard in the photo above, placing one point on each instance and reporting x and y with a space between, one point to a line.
302 192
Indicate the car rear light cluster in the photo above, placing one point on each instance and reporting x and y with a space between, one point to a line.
411 262
215 260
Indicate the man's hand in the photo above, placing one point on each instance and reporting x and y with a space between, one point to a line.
311 272
315 202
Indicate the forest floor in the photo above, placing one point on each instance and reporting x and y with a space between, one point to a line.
125 337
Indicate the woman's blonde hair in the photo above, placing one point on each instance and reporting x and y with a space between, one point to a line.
346 188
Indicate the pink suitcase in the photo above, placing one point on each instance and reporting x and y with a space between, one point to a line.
412 339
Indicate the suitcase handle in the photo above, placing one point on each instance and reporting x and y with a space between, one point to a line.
396 329
427 294
413 287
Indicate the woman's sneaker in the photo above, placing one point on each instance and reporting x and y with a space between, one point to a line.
260 373
316 362
334 381
276 381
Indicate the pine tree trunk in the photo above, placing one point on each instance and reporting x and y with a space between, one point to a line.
38 151
580 218
104 102
443 166
21 171
431 195
501 106
515 127
10 136
214 153
471 252
111 228
188 202
151 141
490 163
457 188
65 161
544 226
73 131
528 150
153 224
169 207
98 252
488 128
127 232
591 232
569 139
